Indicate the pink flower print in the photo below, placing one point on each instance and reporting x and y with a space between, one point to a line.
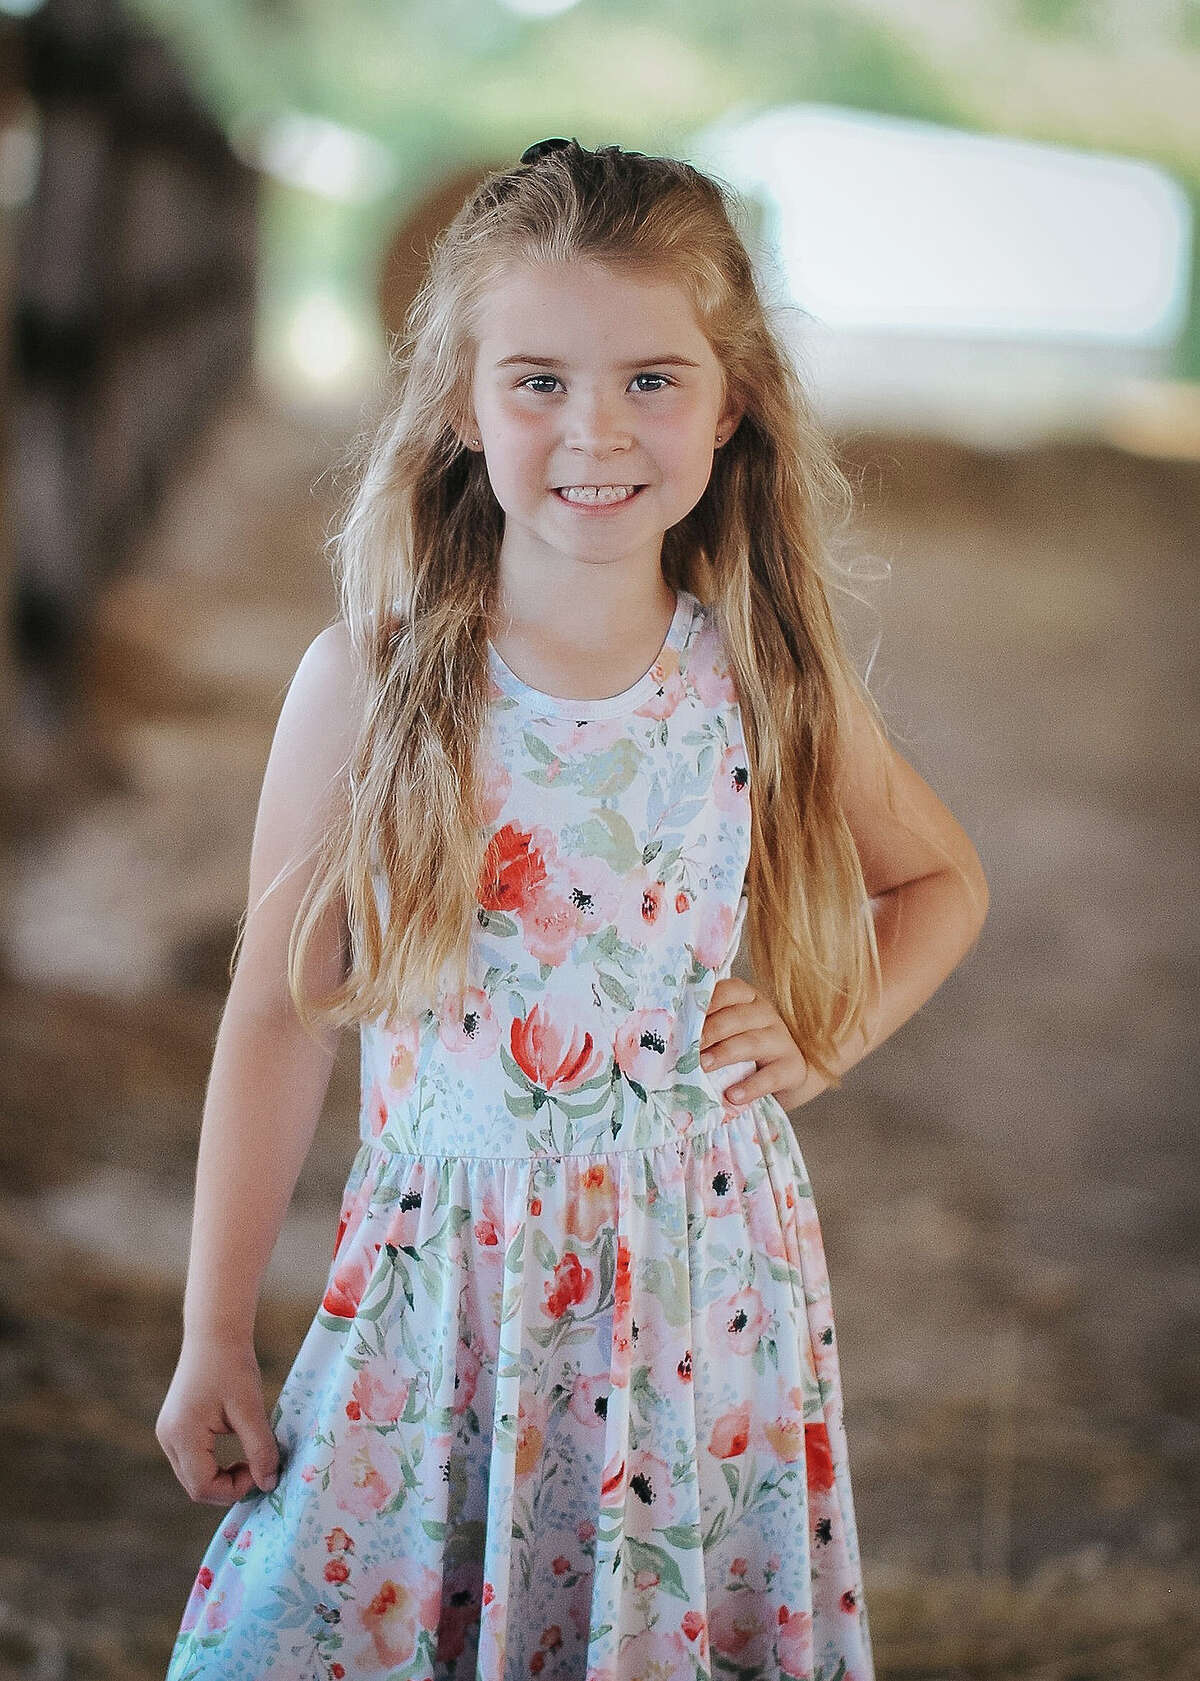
592 1199
594 889
708 669
587 1403
739 1627
730 1435
555 1054
214 1602
460 1609
376 1110
345 1289
737 1323
381 1392
199 1593
622 1329
573 737
731 781
467 1024
550 922
655 1654
644 908
404 1051
645 1047
495 782
363 1472
355 1207
394 1604
669 686
762 1220
808 1234
714 930
651 1502
466 1376
794 1643
405 1213
720 1186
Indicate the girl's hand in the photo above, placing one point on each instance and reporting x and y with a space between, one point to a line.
216 1391
744 1026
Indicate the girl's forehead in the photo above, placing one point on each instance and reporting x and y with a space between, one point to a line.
569 300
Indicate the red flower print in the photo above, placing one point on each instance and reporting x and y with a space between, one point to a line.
556 1056
693 1624
849 1600
337 1570
572 1281
346 1288
818 1457
512 869
337 1541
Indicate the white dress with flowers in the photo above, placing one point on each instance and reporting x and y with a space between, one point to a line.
570 1406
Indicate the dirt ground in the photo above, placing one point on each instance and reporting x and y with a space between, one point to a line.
1007 1187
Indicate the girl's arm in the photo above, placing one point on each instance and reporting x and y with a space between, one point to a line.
926 917
266 1088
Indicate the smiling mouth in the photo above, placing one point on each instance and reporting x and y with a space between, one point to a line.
586 494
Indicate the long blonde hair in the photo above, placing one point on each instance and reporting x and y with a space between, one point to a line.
416 564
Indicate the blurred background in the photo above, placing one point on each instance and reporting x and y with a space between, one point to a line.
975 221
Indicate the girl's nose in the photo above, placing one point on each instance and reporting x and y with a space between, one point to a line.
596 427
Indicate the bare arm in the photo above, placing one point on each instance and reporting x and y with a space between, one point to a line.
269 1079
926 917
267 1084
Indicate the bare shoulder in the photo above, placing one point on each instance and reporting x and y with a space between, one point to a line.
901 828
305 781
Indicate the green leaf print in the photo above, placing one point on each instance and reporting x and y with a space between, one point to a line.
537 748
681 1534
643 1555
606 834
610 985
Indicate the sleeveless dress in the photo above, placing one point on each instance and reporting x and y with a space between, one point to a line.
570 1406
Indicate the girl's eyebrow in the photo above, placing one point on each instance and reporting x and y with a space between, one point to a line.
556 362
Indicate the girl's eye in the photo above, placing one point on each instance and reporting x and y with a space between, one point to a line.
550 379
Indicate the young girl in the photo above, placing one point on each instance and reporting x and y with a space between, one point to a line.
570 1406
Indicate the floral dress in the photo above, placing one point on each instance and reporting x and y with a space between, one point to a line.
570 1406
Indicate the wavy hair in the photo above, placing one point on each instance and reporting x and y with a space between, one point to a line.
416 566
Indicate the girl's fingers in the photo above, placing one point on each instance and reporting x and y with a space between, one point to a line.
736 1047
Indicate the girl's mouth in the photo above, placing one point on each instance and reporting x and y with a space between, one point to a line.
598 496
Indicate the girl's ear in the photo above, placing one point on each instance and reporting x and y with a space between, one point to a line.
727 424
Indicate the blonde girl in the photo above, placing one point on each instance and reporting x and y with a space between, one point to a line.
570 1405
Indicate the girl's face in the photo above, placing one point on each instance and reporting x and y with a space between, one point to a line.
588 376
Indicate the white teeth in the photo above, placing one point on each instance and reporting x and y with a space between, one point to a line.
596 492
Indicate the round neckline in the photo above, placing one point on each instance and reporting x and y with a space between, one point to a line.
601 706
